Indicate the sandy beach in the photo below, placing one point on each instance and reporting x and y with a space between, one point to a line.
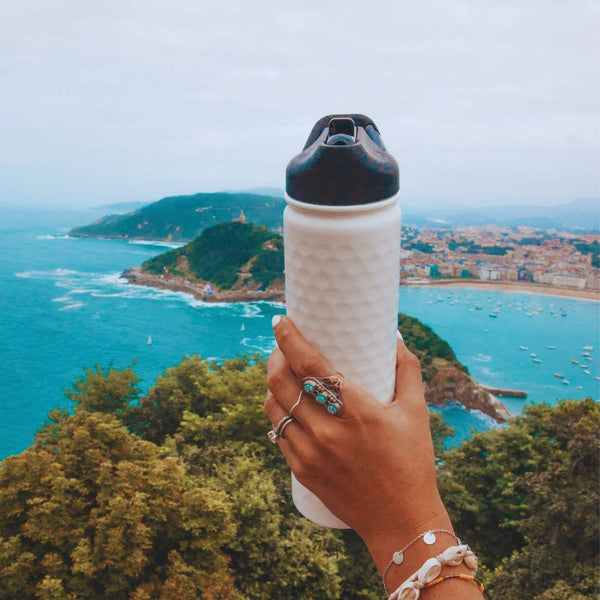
503 286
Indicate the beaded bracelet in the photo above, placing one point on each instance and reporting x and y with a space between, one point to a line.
457 576
398 556
432 567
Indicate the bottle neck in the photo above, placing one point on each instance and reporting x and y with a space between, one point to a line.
317 209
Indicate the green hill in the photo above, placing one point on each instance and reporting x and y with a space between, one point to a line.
433 352
225 255
182 218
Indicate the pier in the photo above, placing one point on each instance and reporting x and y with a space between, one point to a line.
505 393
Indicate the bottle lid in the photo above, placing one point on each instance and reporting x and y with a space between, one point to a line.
343 163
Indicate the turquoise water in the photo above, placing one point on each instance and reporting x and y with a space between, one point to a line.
63 308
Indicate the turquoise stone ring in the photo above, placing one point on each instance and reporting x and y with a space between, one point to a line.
326 391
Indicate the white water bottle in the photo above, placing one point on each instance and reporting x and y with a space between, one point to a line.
342 260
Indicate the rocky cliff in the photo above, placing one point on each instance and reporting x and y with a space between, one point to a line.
451 384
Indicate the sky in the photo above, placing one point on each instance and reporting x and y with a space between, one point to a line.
481 102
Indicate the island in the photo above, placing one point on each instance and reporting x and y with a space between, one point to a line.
229 262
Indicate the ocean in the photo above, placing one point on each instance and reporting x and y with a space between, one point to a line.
64 308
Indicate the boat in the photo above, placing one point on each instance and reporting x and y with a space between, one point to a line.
588 347
242 327
149 340
536 360
559 375
523 347
551 347
566 381
579 387
494 315
532 354
575 362
587 372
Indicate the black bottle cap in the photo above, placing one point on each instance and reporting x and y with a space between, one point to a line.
343 163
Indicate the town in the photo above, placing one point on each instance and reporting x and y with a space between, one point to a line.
553 258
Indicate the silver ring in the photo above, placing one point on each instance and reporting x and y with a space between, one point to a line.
284 425
277 432
326 391
297 403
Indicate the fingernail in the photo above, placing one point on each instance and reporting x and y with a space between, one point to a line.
275 321
400 336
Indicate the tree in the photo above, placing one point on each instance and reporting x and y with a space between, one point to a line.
526 498
92 512
105 390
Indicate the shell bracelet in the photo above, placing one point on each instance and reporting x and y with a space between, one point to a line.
432 567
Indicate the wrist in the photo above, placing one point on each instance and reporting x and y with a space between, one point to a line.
386 538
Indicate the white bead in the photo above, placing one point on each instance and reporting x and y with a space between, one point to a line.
429 571
429 538
398 557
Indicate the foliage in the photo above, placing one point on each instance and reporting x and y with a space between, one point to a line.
269 265
423 247
91 511
104 390
526 496
185 217
470 247
220 252
427 346
593 249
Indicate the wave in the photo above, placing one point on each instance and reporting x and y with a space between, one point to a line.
263 344
483 358
53 274
72 305
157 243
53 237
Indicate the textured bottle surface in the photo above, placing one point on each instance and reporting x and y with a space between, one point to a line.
342 274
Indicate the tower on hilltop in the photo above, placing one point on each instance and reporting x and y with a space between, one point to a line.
241 218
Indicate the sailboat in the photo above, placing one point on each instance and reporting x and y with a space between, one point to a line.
149 340
242 328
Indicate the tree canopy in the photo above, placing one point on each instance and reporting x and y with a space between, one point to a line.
176 493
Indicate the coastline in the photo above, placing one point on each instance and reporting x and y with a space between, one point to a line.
135 276
504 286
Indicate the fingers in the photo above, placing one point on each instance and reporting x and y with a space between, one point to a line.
293 438
286 388
409 381
304 360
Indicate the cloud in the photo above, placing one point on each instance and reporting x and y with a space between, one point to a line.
479 101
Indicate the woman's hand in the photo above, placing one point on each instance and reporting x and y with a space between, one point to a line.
373 467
